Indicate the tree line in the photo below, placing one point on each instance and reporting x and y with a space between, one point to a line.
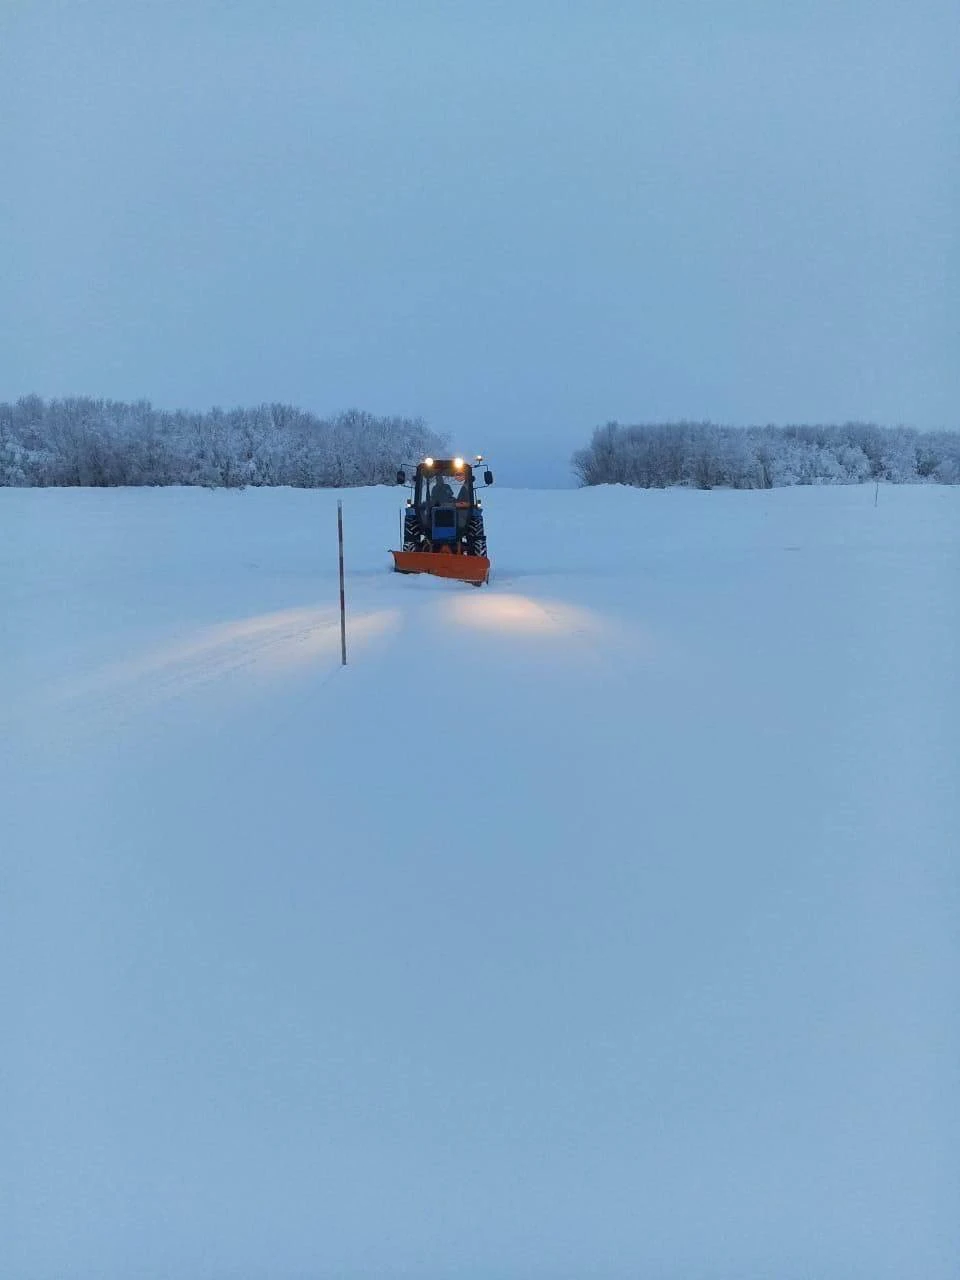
703 455
84 441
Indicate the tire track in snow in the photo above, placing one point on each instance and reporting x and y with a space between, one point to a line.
240 656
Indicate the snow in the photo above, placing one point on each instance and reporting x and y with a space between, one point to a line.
599 922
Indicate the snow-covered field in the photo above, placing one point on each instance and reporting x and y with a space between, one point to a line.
602 922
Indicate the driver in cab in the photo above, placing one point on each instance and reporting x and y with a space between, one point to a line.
441 491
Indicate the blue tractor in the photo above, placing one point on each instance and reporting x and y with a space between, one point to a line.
443 531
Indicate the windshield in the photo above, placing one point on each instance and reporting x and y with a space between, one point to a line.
448 488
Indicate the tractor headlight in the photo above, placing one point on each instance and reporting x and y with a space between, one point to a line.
428 462
458 463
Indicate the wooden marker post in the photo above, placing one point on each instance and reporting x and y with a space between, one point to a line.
343 605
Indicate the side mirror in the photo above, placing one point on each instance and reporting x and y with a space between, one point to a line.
401 477
488 477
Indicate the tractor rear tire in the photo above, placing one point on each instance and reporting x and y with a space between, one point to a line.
476 538
413 535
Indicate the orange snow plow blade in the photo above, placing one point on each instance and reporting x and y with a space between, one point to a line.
442 564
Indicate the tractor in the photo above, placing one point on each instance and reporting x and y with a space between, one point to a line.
443 522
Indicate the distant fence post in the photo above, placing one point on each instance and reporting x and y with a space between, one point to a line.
343 604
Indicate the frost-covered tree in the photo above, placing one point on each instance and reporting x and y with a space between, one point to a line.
81 441
705 456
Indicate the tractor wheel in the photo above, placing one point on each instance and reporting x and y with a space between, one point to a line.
413 537
476 538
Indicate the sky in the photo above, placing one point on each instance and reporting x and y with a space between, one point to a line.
515 220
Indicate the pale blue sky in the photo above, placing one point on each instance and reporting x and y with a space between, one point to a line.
517 220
